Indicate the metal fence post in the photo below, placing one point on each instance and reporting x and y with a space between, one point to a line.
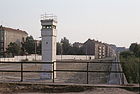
21 71
87 72
123 78
53 72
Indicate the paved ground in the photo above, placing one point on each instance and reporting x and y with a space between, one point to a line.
117 78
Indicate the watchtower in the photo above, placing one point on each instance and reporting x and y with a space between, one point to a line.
48 34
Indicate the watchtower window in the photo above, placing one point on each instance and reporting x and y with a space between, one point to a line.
43 27
49 26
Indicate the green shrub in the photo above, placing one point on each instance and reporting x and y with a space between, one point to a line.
131 68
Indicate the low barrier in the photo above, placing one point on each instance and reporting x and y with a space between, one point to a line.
35 57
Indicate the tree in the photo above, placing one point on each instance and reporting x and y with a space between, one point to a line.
126 54
75 51
30 45
135 48
22 52
65 46
58 51
13 49
131 67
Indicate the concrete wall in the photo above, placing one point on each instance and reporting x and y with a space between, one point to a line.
39 57
7 59
75 57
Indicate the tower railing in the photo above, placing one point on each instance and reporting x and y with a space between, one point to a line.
48 17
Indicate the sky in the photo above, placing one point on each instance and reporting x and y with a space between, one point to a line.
110 21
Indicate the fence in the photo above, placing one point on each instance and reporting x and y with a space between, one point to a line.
86 70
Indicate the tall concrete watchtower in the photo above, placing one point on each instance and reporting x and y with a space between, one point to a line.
48 33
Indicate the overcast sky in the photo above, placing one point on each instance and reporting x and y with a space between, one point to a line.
111 21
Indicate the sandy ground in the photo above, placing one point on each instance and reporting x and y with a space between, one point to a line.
97 91
80 78
63 77
14 88
105 91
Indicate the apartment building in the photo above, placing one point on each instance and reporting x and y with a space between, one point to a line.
99 49
8 35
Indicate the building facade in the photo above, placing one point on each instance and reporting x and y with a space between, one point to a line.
8 35
98 49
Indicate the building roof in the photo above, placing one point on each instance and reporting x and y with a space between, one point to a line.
93 41
11 29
